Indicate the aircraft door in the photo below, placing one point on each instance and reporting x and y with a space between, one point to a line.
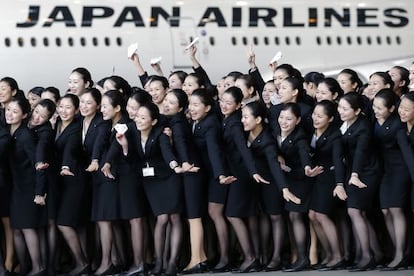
180 37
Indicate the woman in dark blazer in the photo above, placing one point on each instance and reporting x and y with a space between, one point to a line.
4 183
326 152
27 211
264 151
395 182
125 172
207 139
242 200
71 166
362 173
162 185
406 112
95 135
294 150
46 171
194 184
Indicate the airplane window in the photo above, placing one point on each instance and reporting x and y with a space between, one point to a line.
244 39
107 42
7 42
95 41
349 40
70 41
339 40
33 42
379 41
255 40
298 40
388 40
58 41
328 40
20 41
359 41
212 41
233 40
83 41
318 40
398 40
277 40
118 41
266 40
287 40
46 41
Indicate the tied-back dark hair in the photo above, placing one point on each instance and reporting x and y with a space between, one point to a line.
354 99
121 84
95 94
49 105
333 86
73 98
329 107
55 92
297 83
234 75
313 77
181 75
163 80
409 96
153 110
37 90
386 78
257 109
181 97
292 107
86 75
388 96
13 86
116 98
236 93
249 82
353 77
405 76
23 103
140 95
205 96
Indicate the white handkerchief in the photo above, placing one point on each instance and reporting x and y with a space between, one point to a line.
121 128
192 43
155 60
276 57
132 49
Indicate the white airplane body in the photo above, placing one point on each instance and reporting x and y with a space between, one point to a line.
42 41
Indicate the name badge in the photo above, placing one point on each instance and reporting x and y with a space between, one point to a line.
148 171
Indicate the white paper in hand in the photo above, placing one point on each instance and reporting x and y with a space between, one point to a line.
132 49
155 60
121 128
276 57
192 43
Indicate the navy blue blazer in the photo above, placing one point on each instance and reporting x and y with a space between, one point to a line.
5 140
358 147
296 145
406 143
265 152
182 139
389 144
68 148
235 145
96 141
328 153
22 163
207 138
158 151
